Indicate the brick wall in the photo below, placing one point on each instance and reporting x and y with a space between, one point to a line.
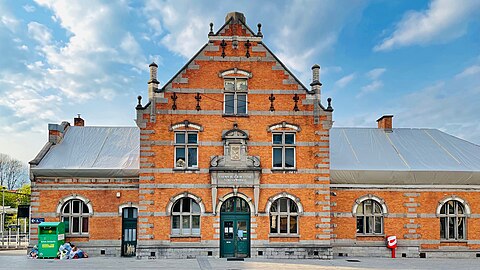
159 183
412 217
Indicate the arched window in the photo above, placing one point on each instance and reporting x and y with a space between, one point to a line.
453 221
235 204
284 216
186 217
75 215
369 217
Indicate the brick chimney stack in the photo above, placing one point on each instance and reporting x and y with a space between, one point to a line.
78 121
152 83
56 132
385 122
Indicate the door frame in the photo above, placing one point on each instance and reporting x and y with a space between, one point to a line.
128 222
235 217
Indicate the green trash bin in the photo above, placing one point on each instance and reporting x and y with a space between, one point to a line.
51 235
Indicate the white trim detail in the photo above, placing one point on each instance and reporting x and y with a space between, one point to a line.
174 199
283 125
453 198
72 197
370 197
186 124
235 71
284 195
236 194
125 205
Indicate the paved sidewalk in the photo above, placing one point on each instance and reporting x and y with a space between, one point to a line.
17 260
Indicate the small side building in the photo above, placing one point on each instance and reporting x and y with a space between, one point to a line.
88 178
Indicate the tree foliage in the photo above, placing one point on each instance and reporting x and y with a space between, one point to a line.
13 173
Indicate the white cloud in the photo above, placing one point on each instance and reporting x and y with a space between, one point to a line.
345 80
469 71
444 20
29 8
375 84
369 88
98 40
40 33
375 73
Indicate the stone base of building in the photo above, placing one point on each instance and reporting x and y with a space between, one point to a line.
325 253
404 252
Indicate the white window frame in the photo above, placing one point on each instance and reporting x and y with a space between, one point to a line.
284 146
372 215
80 215
186 231
278 214
186 146
235 92
456 216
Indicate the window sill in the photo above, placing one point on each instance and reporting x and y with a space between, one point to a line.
235 115
185 236
278 235
185 169
283 169
77 235
462 241
370 235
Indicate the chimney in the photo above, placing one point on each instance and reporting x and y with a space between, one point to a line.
385 122
152 83
56 132
78 121
237 17
316 84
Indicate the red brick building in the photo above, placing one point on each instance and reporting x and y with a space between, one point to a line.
231 158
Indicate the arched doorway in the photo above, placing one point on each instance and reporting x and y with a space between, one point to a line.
235 228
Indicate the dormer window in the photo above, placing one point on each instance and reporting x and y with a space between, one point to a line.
235 100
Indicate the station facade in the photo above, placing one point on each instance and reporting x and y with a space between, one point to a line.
233 158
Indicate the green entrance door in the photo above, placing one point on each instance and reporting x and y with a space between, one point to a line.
129 231
235 228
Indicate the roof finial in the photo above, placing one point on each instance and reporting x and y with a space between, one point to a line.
259 33
211 29
329 107
139 105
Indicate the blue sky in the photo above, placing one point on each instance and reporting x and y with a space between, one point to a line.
418 60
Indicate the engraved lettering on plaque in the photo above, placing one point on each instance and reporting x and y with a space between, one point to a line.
235 152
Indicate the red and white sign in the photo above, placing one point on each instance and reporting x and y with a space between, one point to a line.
392 241
392 244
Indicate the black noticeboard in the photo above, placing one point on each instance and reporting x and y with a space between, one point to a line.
23 211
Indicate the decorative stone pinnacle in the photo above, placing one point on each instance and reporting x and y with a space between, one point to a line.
329 107
211 30
139 105
259 33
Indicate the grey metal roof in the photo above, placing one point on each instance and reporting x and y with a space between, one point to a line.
93 152
403 156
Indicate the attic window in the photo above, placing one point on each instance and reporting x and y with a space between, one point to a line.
235 98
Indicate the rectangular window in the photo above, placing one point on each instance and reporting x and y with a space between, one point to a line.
283 154
186 150
235 99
